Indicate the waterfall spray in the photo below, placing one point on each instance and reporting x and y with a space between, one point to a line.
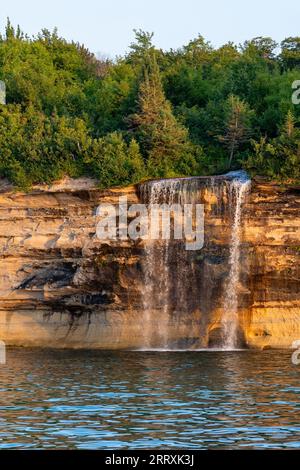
156 274
178 288
167 265
238 189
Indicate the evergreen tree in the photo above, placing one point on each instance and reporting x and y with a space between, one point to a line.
237 125
141 47
289 125
164 141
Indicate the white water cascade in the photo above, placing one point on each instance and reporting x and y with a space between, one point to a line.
238 189
160 269
179 287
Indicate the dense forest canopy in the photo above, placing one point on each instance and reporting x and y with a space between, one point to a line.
197 110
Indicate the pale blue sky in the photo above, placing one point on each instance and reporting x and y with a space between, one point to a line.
106 26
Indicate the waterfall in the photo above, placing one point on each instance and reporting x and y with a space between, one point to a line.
238 189
157 272
179 291
166 294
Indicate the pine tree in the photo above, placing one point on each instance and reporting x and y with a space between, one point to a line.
289 125
141 47
164 141
237 127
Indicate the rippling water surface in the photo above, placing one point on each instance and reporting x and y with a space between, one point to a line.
98 400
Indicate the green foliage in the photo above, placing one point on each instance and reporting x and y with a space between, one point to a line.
195 110
263 47
236 125
141 47
278 158
114 162
290 52
36 148
164 141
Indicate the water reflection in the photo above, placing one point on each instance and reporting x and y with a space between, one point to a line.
80 399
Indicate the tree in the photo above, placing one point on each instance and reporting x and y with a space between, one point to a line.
113 162
164 141
289 125
198 51
290 52
141 47
278 158
264 47
237 125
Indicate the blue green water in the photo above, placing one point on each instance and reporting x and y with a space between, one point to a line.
113 400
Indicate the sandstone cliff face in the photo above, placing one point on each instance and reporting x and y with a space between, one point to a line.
60 286
271 243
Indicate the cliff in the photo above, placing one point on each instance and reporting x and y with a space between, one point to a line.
60 286
271 243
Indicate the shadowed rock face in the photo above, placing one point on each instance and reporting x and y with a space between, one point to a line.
62 287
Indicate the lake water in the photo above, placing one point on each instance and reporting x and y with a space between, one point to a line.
113 400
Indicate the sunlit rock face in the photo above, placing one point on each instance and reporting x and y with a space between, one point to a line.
271 244
60 286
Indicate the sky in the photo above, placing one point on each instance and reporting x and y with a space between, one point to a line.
106 26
